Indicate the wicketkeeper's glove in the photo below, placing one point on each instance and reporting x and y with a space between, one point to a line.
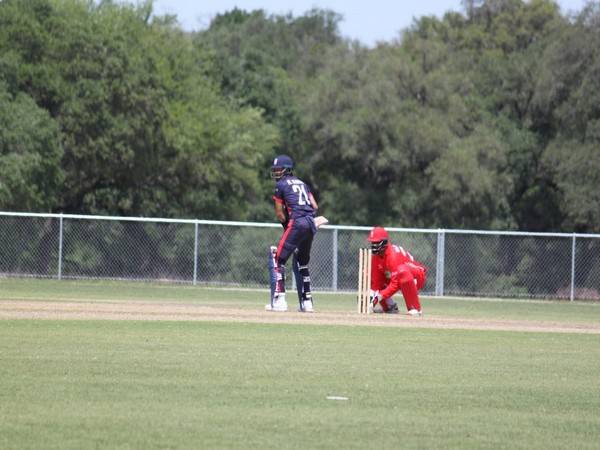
375 298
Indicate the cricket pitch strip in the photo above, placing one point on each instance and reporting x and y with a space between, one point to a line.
143 310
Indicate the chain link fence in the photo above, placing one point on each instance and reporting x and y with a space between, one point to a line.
460 263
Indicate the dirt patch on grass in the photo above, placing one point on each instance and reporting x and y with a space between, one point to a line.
135 310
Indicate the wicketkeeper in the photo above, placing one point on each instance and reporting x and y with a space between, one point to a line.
405 274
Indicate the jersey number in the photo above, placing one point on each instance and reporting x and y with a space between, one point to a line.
300 189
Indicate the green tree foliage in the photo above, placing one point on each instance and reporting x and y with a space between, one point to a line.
470 182
144 128
483 119
30 152
369 136
266 62
568 101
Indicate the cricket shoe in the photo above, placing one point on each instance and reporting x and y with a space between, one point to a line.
307 306
277 305
414 312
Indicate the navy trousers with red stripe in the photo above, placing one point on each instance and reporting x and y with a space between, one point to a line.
299 235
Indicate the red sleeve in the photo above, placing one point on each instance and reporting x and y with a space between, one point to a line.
393 258
377 273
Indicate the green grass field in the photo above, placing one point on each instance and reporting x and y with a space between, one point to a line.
82 384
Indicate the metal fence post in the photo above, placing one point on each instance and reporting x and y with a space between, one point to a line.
195 252
60 246
573 267
334 261
439 263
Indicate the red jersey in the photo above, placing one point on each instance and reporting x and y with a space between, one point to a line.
386 270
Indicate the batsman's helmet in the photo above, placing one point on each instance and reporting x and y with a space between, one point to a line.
379 238
282 165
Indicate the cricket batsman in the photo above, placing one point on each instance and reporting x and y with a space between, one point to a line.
405 274
295 208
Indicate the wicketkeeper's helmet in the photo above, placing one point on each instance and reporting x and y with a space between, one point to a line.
379 238
282 165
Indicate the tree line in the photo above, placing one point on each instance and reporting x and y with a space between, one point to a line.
487 118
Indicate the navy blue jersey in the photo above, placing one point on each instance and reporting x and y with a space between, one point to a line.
295 195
